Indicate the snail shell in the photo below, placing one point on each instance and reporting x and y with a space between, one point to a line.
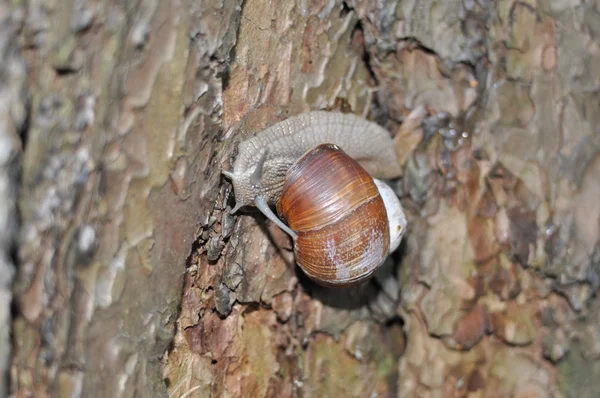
334 207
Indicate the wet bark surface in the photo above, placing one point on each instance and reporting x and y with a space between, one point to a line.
132 277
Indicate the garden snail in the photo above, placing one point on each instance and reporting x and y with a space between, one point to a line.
316 169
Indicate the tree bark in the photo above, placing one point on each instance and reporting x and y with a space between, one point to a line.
134 280
13 104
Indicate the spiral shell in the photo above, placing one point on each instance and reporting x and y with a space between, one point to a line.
335 208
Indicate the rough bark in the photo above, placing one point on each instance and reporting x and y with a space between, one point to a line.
13 106
133 278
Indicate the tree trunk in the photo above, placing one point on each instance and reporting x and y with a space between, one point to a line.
134 280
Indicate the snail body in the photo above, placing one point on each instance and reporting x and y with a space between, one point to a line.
344 222
263 160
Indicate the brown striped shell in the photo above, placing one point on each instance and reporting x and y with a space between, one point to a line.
334 206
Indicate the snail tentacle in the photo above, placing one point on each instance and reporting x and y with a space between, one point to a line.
234 179
249 183
256 176
261 204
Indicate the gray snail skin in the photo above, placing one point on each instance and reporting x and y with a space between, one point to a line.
317 168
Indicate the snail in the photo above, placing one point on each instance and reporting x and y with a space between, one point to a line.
316 169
